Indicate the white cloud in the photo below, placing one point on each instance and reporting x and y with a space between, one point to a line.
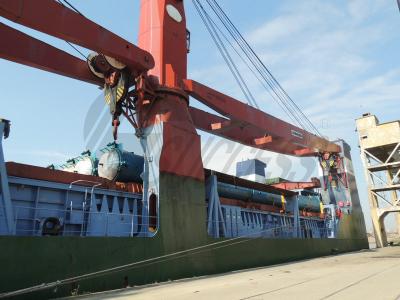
359 10
279 29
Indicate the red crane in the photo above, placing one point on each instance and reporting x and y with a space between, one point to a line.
158 68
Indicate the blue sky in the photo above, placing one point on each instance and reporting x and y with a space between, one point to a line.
337 60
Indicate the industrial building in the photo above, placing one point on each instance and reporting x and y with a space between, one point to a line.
380 154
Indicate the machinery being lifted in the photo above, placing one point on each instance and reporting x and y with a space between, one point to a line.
178 207
116 164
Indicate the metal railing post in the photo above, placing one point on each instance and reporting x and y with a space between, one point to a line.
4 187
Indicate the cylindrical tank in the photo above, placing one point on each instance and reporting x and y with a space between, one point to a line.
68 166
86 164
308 202
118 165
241 193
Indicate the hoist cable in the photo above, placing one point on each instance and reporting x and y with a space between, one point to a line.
223 51
76 10
261 81
220 49
285 110
73 7
278 88
239 35
279 101
251 56
288 108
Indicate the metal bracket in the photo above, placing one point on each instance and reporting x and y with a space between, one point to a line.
4 187
216 220
6 128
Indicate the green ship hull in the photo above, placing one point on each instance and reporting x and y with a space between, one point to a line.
29 261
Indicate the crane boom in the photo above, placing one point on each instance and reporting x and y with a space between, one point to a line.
54 19
24 49
253 127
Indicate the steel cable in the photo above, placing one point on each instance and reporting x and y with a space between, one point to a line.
262 82
256 61
281 100
223 51
77 11
246 48
237 37
268 71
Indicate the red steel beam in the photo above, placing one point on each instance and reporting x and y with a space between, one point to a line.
219 125
224 126
24 49
296 185
244 134
282 133
54 19
263 140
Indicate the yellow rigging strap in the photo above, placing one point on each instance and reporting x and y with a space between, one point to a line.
112 95
283 200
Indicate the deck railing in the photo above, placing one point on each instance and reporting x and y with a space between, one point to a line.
31 221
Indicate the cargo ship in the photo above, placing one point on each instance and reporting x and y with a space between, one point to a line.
122 219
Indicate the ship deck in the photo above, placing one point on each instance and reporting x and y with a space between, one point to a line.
40 173
368 274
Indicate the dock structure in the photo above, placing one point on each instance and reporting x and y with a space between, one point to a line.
380 154
367 274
